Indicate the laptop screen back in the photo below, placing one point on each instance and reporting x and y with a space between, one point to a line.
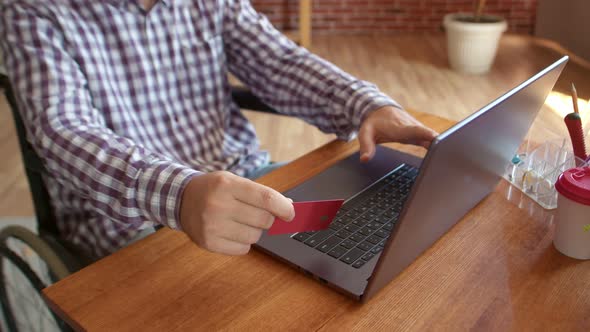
463 165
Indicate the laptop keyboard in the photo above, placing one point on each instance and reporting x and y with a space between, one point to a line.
364 223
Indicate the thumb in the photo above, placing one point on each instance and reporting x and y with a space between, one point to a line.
420 135
367 143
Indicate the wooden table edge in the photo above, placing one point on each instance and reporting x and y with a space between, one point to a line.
328 154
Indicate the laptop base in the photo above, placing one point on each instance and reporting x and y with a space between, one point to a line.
345 179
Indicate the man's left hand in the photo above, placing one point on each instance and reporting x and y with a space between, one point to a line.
390 124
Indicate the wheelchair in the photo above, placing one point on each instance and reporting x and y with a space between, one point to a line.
29 261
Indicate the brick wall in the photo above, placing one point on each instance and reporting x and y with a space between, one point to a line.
362 16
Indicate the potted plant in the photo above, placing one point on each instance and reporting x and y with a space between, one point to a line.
472 39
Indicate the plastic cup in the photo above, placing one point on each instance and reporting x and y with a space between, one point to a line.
572 227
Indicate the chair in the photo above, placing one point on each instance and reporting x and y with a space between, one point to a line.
303 34
43 258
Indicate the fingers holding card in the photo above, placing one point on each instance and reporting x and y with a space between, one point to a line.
309 216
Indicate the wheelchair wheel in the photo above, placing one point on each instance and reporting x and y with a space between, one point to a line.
24 271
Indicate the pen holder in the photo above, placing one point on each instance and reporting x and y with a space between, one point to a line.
535 173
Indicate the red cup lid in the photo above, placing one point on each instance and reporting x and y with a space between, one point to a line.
575 184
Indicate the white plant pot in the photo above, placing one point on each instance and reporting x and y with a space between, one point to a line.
472 46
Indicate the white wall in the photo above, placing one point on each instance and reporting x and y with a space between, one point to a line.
567 22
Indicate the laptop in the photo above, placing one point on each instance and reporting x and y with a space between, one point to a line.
398 205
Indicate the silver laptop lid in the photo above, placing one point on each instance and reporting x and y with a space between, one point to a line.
462 166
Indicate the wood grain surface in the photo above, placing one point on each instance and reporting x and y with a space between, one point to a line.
495 270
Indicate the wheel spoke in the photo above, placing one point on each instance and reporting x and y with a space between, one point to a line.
27 305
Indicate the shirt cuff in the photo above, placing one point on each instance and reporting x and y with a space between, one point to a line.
159 192
365 98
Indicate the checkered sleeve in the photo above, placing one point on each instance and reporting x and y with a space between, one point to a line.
293 80
121 179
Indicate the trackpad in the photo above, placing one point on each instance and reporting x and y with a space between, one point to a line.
348 177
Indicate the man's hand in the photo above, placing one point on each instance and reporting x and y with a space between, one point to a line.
224 213
390 124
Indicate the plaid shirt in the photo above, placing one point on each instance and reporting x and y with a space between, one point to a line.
125 106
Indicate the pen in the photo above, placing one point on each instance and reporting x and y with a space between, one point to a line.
573 121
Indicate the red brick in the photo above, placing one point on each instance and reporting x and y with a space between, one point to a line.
358 16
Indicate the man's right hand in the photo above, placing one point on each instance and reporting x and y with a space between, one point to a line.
225 213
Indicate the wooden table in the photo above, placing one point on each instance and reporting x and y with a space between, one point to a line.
495 270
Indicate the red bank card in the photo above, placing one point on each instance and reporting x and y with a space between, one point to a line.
309 216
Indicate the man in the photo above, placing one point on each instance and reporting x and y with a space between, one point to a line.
128 104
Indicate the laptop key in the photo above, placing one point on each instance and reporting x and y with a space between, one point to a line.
373 225
353 214
384 205
392 213
329 244
348 244
374 200
389 189
377 250
395 208
381 195
377 210
347 220
336 226
356 238
382 233
366 231
381 219
360 222
361 209
343 209
368 256
359 263
343 234
388 226
318 237
370 203
301 236
374 239
412 173
365 246
337 251
352 255
351 228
